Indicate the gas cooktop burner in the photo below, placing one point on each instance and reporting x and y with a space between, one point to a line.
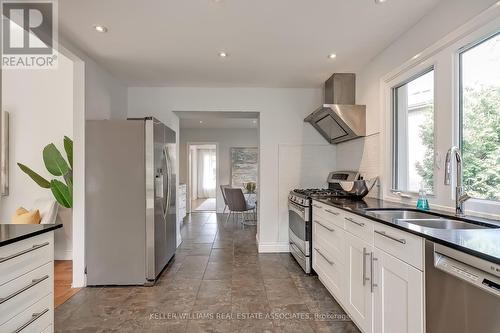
319 192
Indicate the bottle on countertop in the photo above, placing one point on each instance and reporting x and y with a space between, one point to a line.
422 202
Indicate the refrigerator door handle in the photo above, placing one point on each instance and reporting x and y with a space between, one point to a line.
166 202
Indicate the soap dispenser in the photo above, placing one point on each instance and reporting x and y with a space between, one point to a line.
422 202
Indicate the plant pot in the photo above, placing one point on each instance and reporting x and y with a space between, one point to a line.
63 237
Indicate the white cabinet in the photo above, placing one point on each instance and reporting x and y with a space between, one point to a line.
27 285
182 211
358 295
398 296
328 255
372 269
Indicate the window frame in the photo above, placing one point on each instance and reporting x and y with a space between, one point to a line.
443 55
459 109
394 132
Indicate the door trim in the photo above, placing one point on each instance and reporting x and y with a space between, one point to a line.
189 167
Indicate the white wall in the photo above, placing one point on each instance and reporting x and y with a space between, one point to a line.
281 122
40 103
105 96
365 153
225 138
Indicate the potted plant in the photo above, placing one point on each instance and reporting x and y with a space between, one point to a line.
59 167
250 187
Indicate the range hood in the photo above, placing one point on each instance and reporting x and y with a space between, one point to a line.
340 119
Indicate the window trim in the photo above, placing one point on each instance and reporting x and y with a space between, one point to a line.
393 129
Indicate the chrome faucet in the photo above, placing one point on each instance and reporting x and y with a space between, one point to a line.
460 196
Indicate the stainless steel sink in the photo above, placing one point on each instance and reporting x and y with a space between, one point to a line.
423 219
402 214
442 223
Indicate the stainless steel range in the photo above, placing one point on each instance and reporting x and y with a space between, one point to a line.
300 214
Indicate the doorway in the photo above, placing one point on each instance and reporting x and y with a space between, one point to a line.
202 171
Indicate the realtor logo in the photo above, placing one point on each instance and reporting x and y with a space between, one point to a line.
28 34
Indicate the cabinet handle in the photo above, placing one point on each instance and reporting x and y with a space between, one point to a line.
33 248
324 226
399 240
317 206
34 317
331 212
33 283
324 257
365 254
372 271
361 224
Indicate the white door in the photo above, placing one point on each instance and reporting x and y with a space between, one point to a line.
398 296
359 296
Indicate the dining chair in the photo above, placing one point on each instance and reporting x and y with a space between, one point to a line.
222 189
236 202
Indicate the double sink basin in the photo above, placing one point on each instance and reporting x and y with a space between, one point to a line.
423 219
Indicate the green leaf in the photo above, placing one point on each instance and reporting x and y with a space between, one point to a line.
68 147
54 162
42 182
62 193
68 178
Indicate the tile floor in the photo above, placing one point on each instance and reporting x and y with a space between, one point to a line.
217 282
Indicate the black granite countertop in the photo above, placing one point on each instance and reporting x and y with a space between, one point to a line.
482 243
10 233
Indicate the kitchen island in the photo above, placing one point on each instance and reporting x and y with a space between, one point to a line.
27 277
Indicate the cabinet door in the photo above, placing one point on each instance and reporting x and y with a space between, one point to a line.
398 296
358 296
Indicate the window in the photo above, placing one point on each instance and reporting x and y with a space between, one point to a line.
413 133
480 118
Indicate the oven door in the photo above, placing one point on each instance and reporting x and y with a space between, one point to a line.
298 218
299 233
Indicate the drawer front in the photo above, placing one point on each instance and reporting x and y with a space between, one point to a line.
402 245
36 318
330 237
359 226
329 271
329 213
19 294
21 257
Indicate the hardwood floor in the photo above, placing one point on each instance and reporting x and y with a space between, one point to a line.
63 275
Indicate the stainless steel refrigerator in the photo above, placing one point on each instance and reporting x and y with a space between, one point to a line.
130 230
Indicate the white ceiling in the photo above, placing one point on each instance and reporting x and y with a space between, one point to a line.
273 43
217 120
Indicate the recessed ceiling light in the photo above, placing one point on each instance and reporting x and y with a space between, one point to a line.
380 1
100 28
416 56
332 56
222 54
201 121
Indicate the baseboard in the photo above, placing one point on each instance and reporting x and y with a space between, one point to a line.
274 247
63 254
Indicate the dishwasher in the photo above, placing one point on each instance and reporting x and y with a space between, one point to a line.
462 292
